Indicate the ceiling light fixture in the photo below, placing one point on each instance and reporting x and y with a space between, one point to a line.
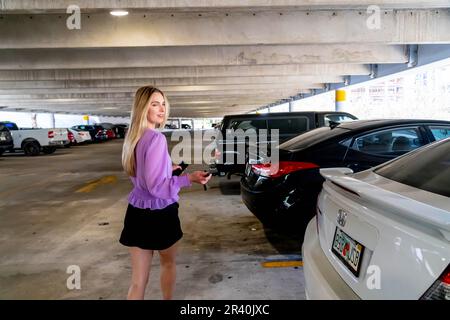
118 13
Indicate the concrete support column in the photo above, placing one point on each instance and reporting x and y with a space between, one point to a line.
340 100
179 123
291 106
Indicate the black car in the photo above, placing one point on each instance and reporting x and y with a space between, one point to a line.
6 140
284 197
232 153
121 130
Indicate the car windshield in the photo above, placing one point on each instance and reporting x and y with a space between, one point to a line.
427 169
311 137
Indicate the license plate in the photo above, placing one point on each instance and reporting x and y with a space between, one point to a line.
349 251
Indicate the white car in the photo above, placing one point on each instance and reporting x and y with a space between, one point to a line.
33 141
80 136
383 233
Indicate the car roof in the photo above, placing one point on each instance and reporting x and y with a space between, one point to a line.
281 114
342 131
378 123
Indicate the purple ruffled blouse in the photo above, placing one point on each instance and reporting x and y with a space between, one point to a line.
154 185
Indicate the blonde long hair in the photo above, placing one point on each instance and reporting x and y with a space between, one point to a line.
138 126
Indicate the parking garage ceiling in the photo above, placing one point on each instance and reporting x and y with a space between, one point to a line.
211 57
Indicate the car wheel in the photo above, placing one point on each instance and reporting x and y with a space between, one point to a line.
48 150
1 151
31 148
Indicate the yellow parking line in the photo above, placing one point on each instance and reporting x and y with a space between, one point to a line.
282 264
94 184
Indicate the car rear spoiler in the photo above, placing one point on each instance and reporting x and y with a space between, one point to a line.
395 203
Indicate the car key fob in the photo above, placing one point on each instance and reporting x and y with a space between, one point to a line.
178 172
205 187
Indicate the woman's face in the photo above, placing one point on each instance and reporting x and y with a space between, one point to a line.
157 110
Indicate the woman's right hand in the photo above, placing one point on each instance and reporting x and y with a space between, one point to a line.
200 177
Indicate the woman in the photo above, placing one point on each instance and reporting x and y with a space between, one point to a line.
151 221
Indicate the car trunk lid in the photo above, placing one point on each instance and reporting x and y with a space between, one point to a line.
370 234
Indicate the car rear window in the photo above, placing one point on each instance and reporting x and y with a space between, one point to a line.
10 126
427 169
311 137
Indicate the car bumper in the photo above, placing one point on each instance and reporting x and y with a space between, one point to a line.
322 282
274 207
6 146
58 143
260 203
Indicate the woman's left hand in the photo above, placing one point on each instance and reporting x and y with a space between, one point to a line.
175 167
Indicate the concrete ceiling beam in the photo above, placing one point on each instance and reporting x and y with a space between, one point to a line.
45 6
12 59
101 30
114 83
186 72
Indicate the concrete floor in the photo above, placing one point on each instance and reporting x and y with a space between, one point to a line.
67 209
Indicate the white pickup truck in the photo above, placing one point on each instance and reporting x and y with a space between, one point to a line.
33 141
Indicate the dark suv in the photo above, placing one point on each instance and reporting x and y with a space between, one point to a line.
289 124
6 140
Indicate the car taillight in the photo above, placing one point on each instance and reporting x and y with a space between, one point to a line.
275 170
51 134
440 290
70 134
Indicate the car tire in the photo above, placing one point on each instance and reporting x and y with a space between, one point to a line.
1 151
32 148
48 150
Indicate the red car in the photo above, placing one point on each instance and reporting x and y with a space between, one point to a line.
110 133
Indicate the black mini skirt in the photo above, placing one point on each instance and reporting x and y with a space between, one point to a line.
151 229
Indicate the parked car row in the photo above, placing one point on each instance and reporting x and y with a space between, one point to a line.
34 141
284 195
289 124
370 200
